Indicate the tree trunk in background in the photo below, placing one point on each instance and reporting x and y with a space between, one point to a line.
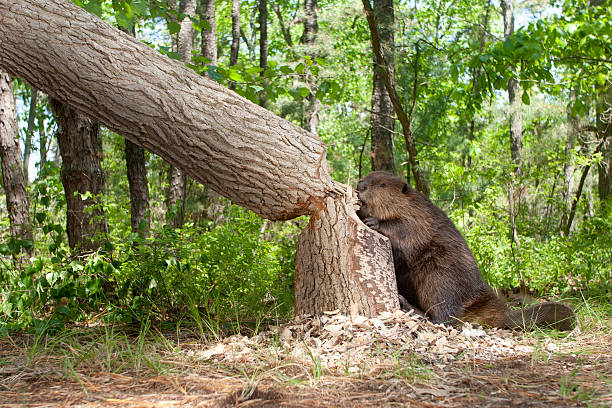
382 119
263 46
177 184
309 37
573 121
604 130
209 37
13 180
215 208
138 182
139 188
237 148
516 130
80 145
27 146
43 146
420 181
235 37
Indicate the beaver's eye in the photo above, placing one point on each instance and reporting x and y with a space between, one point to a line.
383 185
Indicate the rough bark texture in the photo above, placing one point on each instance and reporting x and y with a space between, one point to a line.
242 151
382 119
80 145
13 180
341 264
139 188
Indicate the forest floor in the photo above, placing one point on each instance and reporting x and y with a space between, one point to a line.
331 361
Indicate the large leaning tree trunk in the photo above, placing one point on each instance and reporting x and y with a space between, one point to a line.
13 180
240 150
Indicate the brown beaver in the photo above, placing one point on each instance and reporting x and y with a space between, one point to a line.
435 270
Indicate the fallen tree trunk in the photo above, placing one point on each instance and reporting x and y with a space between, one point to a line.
240 150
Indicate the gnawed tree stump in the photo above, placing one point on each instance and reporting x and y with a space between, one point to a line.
342 264
242 151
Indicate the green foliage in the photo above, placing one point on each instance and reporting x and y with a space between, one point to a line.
227 275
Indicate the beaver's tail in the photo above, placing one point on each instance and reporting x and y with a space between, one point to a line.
551 315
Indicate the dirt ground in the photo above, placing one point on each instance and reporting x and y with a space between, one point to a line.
98 368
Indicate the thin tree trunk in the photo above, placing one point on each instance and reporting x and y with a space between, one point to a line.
235 47
43 143
382 118
263 47
244 152
604 131
405 120
80 145
309 37
27 146
209 36
516 136
140 220
139 188
13 180
177 183
568 167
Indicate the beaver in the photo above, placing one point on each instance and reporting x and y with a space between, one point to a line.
435 269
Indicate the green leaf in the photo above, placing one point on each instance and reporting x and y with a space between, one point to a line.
94 7
525 98
235 76
304 91
173 27
601 79
286 70
300 68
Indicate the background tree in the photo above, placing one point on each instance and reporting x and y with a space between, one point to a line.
13 180
82 176
382 118
178 178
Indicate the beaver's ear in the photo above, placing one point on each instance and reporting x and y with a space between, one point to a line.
405 189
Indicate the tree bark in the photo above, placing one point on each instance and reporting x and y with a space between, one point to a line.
80 145
13 180
209 36
139 188
516 133
237 148
27 146
382 119
330 273
420 181
309 37
568 167
263 47
235 47
604 131
177 184
138 182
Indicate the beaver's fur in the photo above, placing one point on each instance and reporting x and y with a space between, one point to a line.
435 270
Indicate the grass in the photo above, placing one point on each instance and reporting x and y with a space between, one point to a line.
164 362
